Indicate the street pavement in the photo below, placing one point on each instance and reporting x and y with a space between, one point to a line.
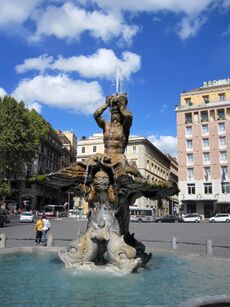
191 237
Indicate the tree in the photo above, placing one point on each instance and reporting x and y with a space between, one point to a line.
21 131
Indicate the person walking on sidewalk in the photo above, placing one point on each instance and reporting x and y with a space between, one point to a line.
45 229
38 228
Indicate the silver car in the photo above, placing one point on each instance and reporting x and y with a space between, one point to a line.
220 217
26 217
192 218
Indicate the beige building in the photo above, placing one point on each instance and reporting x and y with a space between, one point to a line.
203 132
151 162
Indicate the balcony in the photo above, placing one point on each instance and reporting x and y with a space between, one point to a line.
221 117
204 119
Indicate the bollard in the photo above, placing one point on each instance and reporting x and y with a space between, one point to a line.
2 240
50 240
209 248
174 243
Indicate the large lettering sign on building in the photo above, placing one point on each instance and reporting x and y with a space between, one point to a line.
216 82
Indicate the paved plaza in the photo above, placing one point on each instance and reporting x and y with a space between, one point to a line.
191 237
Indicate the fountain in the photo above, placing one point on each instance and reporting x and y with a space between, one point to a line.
110 184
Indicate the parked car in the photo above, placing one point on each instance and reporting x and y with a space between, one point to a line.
26 217
220 217
192 218
169 219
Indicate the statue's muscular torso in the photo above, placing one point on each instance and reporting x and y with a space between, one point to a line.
114 138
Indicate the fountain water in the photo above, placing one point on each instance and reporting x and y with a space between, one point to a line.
113 186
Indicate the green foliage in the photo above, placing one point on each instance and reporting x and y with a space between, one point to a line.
5 188
21 131
39 178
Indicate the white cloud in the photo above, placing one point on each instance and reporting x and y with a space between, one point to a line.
190 26
101 64
188 7
69 22
60 91
167 144
13 12
36 106
2 92
227 31
41 64
192 10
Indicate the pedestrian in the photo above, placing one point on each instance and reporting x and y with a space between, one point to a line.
38 228
45 229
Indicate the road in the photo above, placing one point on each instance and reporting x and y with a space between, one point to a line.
191 237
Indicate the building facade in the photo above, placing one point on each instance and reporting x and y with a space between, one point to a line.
57 150
151 162
203 133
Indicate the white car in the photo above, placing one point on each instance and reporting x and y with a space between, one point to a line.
192 218
26 217
220 217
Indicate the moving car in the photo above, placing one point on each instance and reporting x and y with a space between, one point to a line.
220 217
169 219
26 217
192 218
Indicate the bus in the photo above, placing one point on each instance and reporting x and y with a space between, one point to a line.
141 214
51 210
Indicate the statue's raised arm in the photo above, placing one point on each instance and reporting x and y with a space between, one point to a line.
97 114
116 132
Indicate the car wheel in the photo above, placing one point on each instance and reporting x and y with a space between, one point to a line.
227 221
140 221
212 221
196 221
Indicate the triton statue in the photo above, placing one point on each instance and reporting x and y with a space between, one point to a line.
110 185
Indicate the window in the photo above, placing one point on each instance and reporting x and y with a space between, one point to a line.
190 173
207 173
222 141
207 188
204 116
83 150
189 144
223 156
188 102
224 173
134 149
188 118
189 130
191 188
94 148
221 127
222 96
206 99
205 143
220 114
225 187
190 158
204 129
206 157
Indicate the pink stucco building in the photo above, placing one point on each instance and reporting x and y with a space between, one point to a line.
203 133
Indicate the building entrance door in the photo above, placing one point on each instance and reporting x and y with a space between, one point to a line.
208 210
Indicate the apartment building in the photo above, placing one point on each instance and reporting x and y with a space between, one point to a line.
203 133
57 150
151 162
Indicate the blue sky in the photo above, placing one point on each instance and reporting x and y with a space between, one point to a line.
60 57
